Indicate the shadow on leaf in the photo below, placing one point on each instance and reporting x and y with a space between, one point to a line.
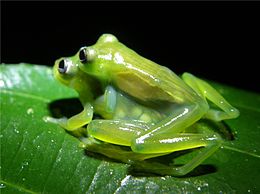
65 107
156 167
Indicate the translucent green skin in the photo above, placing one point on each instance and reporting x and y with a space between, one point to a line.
143 105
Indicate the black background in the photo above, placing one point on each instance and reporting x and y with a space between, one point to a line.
214 40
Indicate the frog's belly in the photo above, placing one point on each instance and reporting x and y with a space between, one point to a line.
138 113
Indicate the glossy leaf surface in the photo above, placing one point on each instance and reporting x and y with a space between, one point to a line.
39 157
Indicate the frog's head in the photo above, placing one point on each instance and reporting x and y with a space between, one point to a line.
67 71
99 59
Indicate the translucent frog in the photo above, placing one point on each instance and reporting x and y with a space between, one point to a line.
143 106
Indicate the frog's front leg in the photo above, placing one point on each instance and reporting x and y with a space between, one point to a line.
208 92
76 121
105 104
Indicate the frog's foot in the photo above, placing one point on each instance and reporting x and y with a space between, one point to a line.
79 132
59 121
75 122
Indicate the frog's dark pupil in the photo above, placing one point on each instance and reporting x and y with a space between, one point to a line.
82 56
62 67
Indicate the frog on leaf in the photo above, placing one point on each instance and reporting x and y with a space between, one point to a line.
144 106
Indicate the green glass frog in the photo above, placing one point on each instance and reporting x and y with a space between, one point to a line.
143 105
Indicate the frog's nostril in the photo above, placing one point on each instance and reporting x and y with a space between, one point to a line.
62 67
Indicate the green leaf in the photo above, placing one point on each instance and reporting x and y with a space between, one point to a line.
40 157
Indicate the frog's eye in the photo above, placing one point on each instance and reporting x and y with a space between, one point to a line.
82 55
62 68
86 54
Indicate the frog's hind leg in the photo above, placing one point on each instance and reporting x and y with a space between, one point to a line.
206 152
168 142
122 132
116 152
75 122
119 132
206 91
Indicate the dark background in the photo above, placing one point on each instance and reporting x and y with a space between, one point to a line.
214 40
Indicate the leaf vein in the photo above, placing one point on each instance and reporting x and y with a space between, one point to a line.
95 176
18 187
247 107
53 164
17 152
74 172
25 95
241 151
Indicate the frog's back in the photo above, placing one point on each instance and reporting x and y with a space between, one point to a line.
146 80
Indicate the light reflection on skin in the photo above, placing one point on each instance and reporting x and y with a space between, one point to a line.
106 57
130 130
141 139
174 140
120 60
186 110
